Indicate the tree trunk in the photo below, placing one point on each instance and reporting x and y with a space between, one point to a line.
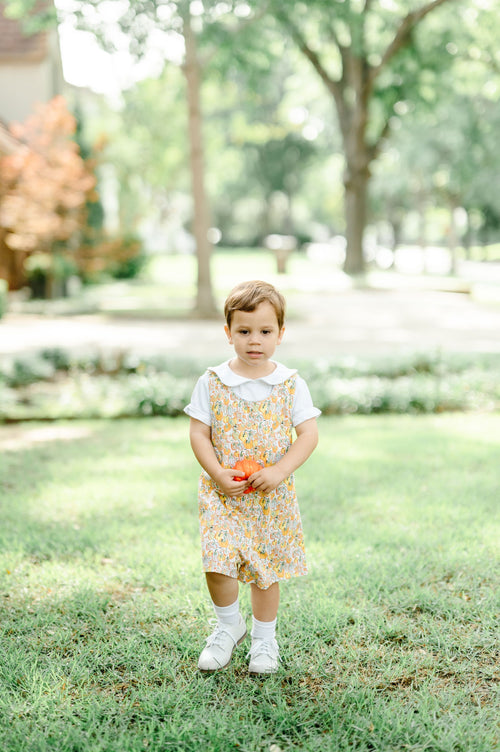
467 239
396 221
453 237
356 195
353 121
205 304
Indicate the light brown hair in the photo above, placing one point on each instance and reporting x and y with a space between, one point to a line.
248 295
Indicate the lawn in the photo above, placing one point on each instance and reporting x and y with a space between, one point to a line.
390 643
166 286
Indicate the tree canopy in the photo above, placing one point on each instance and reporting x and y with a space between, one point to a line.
407 83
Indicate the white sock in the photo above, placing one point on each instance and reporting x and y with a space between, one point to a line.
263 630
229 615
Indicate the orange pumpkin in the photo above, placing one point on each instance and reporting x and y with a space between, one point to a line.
246 468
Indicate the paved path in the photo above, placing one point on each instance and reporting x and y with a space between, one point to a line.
322 323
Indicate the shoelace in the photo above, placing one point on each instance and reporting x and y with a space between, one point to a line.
217 635
264 647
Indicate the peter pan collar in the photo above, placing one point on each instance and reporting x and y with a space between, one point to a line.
229 378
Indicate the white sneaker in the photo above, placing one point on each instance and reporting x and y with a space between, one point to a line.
220 645
264 657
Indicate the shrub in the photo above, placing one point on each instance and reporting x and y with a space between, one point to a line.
53 384
157 394
28 370
59 358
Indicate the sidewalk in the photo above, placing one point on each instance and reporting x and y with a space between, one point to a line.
322 323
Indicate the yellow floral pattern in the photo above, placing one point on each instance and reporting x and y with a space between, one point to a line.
256 538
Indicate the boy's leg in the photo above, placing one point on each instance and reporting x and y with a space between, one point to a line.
223 589
264 651
265 602
230 629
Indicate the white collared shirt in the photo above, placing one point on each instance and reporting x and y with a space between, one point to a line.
252 390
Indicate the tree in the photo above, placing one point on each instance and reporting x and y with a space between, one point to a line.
361 51
269 134
443 155
263 139
138 23
45 186
134 23
201 222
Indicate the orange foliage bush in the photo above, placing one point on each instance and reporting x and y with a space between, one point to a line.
44 184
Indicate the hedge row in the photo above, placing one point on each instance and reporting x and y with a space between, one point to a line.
53 385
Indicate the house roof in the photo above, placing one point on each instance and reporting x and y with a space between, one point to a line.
18 47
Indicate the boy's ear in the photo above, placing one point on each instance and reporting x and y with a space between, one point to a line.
280 335
228 334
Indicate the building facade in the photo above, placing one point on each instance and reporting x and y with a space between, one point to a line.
30 69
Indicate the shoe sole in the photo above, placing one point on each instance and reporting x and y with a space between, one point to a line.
263 673
221 668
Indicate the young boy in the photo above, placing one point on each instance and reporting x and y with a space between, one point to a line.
251 531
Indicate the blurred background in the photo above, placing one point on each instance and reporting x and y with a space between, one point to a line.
154 153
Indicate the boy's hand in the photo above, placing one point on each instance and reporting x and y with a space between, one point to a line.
228 485
266 480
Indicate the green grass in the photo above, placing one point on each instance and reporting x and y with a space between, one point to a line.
390 643
166 286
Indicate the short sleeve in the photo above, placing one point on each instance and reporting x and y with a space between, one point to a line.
303 408
199 407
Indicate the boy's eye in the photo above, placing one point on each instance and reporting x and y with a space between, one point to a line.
266 331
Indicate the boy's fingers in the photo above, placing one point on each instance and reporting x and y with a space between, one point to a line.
237 478
253 475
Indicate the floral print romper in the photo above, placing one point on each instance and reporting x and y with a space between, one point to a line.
255 537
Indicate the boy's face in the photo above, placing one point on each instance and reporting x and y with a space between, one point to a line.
255 336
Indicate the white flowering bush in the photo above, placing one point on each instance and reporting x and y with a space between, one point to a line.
51 385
